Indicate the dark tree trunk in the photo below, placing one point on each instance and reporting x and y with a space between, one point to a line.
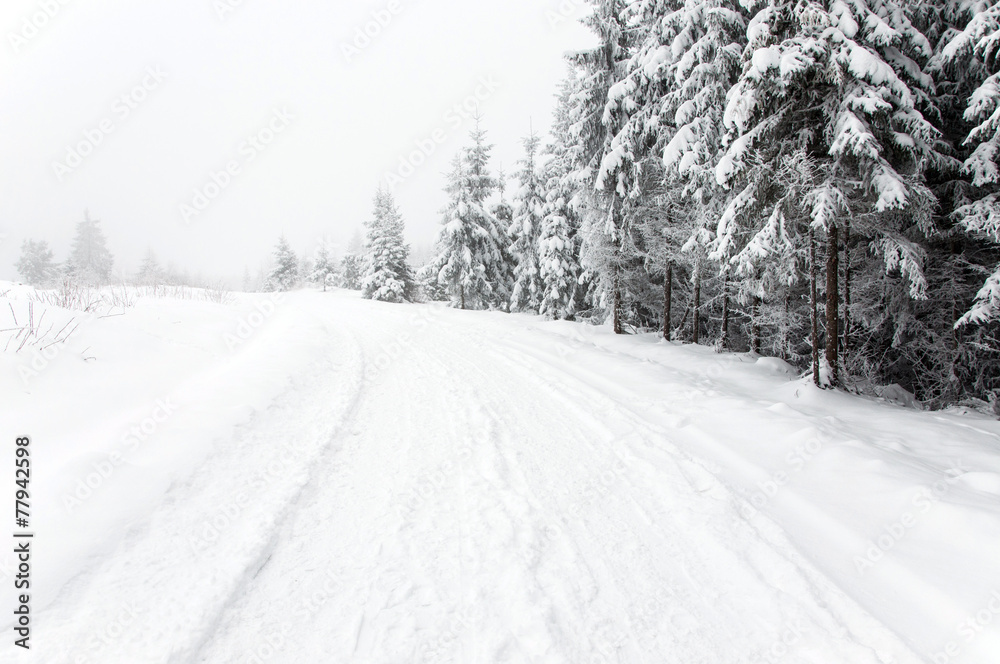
684 318
847 290
755 325
617 284
696 306
462 288
724 338
833 304
813 304
668 289
786 346
618 296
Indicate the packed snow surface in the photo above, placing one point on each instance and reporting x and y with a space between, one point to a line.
318 478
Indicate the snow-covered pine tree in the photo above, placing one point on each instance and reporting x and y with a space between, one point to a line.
90 261
504 213
387 276
284 274
482 185
431 290
525 229
684 68
150 272
461 263
977 47
325 267
604 160
351 266
948 363
35 264
306 268
827 81
470 246
559 237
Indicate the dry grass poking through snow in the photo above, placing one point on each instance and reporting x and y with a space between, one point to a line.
37 319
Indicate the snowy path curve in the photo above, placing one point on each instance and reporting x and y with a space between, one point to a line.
440 488
493 508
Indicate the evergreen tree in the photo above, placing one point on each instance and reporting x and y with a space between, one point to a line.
284 274
525 229
608 160
431 290
35 263
387 276
795 166
150 272
325 268
90 261
470 253
350 271
504 214
825 90
559 237
306 268
977 48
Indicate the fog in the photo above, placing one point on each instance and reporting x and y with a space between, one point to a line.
204 129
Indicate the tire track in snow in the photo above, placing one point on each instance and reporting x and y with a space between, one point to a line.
813 587
181 583
942 607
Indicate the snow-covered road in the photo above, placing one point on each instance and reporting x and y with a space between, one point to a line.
443 486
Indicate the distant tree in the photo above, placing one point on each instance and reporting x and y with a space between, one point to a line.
387 276
35 264
350 272
90 261
150 272
284 275
472 245
306 268
324 270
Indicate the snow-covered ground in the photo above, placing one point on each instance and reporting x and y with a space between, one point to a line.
317 478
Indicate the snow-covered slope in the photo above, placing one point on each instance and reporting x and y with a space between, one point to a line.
340 480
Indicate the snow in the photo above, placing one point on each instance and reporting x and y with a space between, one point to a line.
866 65
345 480
762 60
987 305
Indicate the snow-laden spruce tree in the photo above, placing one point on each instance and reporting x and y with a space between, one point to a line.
825 81
503 211
150 271
324 269
683 57
525 229
603 161
559 237
350 271
35 265
284 274
387 276
90 261
470 254
977 47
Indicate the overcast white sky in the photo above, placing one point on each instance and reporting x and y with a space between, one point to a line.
220 80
